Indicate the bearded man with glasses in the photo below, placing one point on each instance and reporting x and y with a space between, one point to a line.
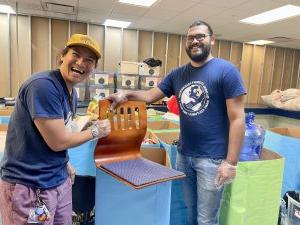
210 94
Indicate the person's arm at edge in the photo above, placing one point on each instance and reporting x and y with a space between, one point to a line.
236 116
148 96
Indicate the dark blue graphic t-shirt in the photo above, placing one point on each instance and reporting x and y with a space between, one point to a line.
201 94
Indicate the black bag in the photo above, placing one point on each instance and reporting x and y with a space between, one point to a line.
153 62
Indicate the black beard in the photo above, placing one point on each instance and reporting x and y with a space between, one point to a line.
199 57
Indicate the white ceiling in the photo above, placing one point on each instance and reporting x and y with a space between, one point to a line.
174 16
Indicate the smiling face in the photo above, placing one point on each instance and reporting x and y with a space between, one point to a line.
198 43
77 64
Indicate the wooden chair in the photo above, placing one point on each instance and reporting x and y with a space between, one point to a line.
119 155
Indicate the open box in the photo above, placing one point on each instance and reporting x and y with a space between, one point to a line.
290 132
164 125
254 196
153 137
6 111
118 204
167 141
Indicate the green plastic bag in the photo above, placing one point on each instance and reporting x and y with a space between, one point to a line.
254 196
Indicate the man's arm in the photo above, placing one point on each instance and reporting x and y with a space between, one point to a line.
236 116
227 169
59 138
148 96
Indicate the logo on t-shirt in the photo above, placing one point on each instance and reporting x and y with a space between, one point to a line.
194 98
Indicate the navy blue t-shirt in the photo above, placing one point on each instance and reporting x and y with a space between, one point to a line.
27 158
201 94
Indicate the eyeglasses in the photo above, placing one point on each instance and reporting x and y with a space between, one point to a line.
199 37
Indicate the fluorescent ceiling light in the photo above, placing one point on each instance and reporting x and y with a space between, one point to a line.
6 9
116 23
260 42
281 13
145 3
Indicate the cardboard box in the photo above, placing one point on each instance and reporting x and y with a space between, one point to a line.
126 67
286 142
150 135
6 111
104 80
254 196
149 82
291 132
119 204
165 125
127 81
100 92
178 209
166 140
146 70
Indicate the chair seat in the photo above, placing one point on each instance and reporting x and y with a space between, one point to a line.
141 172
119 155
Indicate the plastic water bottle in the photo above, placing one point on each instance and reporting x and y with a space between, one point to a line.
253 141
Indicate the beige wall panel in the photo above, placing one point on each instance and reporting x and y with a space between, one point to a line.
278 67
159 49
145 45
215 48
130 46
97 32
287 70
112 50
59 37
256 74
266 82
184 57
173 52
40 52
4 56
225 47
295 69
78 28
20 46
236 54
246 64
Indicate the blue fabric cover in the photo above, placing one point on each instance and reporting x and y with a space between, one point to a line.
4 119
119 204
289 148
82 158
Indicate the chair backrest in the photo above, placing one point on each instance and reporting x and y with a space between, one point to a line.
128 129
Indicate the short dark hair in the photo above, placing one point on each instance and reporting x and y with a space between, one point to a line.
199 23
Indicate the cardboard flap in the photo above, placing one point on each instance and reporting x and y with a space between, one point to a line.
291 132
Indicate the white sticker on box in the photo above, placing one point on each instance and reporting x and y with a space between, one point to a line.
102 93
101 79
128 81
150 82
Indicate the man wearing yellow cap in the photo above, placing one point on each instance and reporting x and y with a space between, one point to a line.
35 183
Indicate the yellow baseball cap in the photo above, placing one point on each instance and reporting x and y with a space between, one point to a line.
85 41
